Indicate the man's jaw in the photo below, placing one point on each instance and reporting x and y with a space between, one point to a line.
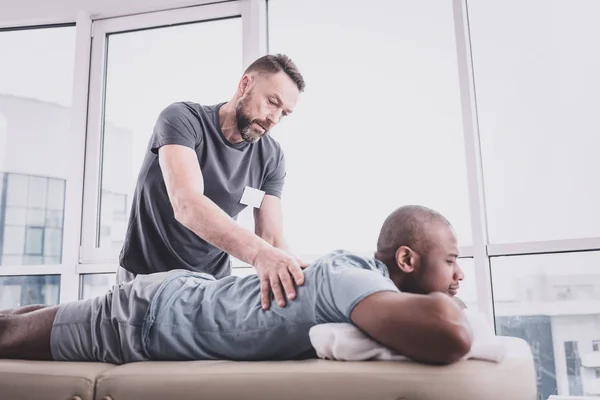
453 290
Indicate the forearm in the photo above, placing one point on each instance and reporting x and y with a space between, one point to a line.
203 217
441 333
275 241
429 329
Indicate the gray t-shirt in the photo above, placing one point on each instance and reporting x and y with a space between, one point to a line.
155 241
195 317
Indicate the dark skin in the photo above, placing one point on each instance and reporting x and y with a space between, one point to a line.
25 332
422 322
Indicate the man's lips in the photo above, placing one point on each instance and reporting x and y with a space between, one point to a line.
262 126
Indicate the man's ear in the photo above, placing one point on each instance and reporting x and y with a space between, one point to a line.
406 259
244 84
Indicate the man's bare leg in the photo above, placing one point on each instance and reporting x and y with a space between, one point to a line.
23 309
27 336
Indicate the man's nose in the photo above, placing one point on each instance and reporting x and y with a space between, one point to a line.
458 273
274 118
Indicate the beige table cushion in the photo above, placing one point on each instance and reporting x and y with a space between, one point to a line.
48 380
512 379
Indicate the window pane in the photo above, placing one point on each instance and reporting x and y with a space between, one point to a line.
3 176
56 194
379 124
15 216
159 64
17 291
94 285
36 74
52 242
538 95
37 192
16 190
553 302
34 241
14 240
468 291
36 216
54 219
11 260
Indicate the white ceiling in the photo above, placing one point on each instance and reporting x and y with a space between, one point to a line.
32 12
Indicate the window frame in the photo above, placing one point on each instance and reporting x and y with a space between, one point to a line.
252 44
79 255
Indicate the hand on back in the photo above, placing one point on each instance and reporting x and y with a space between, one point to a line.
278 271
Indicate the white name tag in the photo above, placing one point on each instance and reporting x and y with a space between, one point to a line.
252 197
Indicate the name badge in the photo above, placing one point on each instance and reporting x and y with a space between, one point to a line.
252 197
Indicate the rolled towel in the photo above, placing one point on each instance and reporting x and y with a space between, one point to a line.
345 342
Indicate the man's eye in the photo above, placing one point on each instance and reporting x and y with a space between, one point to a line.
271 102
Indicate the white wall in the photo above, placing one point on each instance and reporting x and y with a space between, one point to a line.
18 12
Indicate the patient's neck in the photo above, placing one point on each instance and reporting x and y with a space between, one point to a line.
395 274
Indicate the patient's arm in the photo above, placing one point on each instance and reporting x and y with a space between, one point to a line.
426 328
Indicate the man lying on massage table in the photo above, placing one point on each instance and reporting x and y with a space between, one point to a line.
402 298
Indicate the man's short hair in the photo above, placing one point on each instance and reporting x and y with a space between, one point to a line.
272 64
407 226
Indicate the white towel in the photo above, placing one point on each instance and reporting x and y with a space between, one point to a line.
345 342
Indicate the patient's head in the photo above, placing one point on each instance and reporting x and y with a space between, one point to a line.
420 249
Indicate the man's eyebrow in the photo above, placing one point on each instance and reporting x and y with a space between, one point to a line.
455 255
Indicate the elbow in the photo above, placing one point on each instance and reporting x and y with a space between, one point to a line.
459 341
183 205
455 332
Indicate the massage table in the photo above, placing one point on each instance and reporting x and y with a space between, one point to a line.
513 378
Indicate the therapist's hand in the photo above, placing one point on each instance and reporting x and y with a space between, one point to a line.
277 271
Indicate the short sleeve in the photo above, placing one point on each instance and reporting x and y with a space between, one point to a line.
345 287
176 124
273 184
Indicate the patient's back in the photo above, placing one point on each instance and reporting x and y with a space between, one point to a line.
194 317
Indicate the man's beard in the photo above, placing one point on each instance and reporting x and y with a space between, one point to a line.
244 124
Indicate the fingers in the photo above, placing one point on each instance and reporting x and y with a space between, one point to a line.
276 288
265 292
297 273
287 283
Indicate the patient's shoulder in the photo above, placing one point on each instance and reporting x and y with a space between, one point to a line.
343 258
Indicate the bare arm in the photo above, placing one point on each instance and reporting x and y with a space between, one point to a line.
426 328
185 187
268 224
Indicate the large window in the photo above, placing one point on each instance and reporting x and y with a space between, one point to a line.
36 76
31 212
93 285
537 86
146 70
379 125
538 95
36 142
553 302
18 291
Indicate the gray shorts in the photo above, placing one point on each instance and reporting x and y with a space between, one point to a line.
107 328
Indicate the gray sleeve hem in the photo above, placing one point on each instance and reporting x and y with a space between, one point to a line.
171 140
365 295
